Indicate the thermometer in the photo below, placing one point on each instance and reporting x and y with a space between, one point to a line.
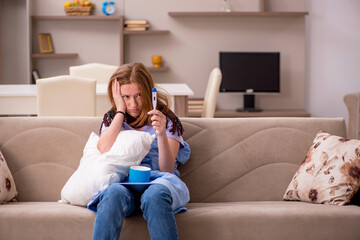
154 98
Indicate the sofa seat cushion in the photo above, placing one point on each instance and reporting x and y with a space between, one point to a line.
232 220
259 220
45 220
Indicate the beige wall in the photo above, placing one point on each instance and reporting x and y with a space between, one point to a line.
191 49
14 42
333 55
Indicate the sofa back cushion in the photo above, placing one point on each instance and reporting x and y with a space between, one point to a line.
237 159
43 152
250 158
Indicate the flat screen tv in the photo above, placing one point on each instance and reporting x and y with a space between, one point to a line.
250 72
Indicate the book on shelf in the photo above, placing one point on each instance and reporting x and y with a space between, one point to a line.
195 106
192 113
135 28
195 101
135 21
137 25
195 111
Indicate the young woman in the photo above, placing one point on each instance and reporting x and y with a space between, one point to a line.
130 92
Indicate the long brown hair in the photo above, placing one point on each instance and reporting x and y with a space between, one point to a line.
138 73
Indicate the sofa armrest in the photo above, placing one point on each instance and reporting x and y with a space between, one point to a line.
352 102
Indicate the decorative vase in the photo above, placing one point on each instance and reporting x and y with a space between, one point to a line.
156 60
225 6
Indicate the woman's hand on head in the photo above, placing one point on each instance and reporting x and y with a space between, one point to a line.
119 101
158 121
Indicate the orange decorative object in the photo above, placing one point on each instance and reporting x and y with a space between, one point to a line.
156 60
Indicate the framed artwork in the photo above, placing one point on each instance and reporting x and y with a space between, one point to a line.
45 43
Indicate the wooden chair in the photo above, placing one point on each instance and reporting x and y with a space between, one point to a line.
101 72
66 96
352 102
211 94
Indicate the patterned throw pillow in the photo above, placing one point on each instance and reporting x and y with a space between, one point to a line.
330 173
7 184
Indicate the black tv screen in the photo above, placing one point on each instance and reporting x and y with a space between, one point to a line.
250 72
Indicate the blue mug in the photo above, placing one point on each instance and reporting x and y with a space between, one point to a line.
139 174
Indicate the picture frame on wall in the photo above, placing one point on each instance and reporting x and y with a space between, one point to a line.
45 43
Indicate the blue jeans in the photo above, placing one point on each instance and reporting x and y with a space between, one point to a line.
117 202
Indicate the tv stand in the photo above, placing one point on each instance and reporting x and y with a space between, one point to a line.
231 113
249 104
248 110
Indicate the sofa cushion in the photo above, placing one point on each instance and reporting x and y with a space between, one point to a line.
203 221
45 220
96 171
330 172
7 184
268 220
258 220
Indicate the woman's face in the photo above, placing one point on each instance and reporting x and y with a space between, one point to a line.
131 93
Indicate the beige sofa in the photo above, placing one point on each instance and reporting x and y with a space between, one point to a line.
237 174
